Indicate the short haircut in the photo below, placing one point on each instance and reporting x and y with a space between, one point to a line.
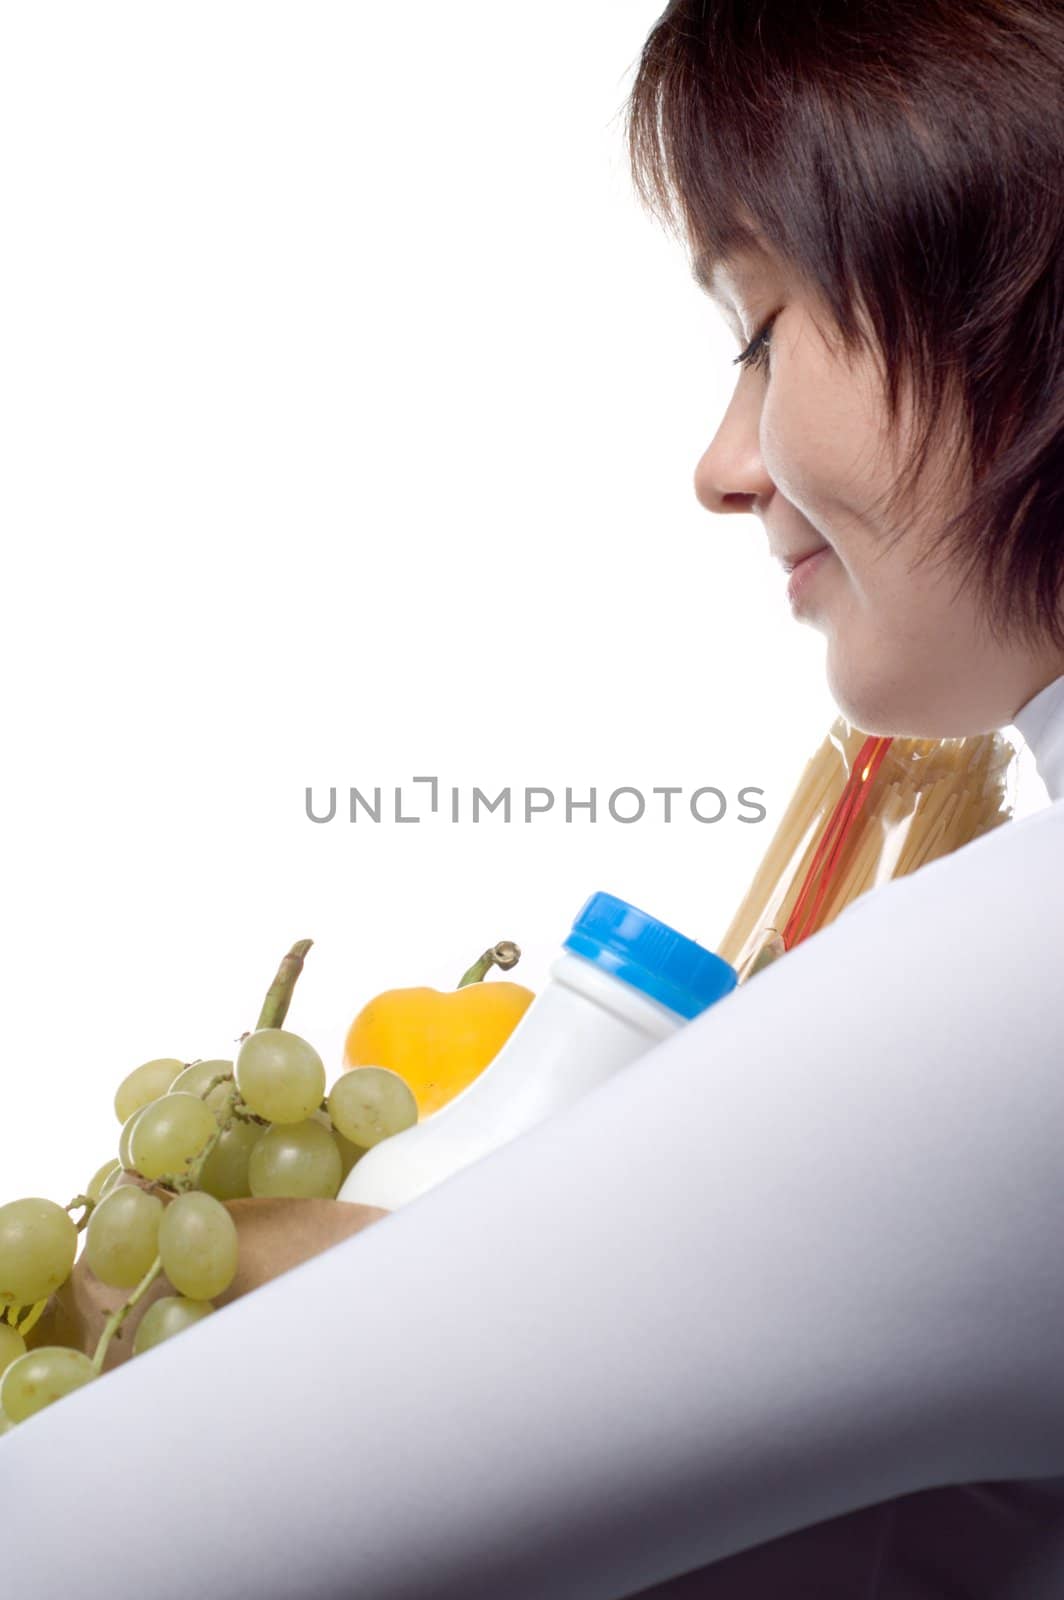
906 157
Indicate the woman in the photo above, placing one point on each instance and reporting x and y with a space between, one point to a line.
874 197
779 1311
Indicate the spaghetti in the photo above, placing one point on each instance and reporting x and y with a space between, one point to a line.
865 810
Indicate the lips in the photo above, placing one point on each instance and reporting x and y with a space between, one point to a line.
789 562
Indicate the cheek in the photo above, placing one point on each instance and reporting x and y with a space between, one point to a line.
821 435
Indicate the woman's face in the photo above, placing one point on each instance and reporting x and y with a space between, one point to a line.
805 445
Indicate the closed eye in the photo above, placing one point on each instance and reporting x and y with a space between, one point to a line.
756 353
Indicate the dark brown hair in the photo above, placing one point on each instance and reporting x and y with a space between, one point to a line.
906 157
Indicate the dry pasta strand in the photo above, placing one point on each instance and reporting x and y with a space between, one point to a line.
928 798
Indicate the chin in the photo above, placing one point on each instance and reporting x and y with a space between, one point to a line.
884 702
899 701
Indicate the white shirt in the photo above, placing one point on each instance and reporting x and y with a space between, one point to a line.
1041 723
783 1301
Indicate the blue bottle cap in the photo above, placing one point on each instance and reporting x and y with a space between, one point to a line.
650 956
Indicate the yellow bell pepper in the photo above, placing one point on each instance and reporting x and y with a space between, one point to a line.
440 1040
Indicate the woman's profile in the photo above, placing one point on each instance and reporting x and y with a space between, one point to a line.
873 197
779 1310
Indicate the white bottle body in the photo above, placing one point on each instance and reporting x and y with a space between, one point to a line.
584 1026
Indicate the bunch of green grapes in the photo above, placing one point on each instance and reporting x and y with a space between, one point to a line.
193 1136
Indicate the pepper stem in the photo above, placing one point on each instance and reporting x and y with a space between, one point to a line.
279 994
504 956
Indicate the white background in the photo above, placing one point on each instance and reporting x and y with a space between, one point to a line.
350 406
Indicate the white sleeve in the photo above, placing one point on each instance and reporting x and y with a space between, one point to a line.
804 1256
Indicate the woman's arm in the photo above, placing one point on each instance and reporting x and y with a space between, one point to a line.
804 1256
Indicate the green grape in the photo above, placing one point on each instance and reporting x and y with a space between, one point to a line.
41 1376
38 1243
198 1245
96 1182
112 1181
224 1174
368 1104
296 1161
164 1317
280 1076
144 1084
169 1135
125 1160
195 1079
12 1345
349 1153
6 1423
122 1238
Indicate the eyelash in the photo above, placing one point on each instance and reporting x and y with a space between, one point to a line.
756 352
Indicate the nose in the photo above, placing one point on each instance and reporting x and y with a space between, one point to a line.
731 475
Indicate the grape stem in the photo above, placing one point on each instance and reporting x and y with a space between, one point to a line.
117 1317
32 1317
181 1184
242 1114
223 1077
236 1106
190 1179
81 1200
10 1315
279 994
504 955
